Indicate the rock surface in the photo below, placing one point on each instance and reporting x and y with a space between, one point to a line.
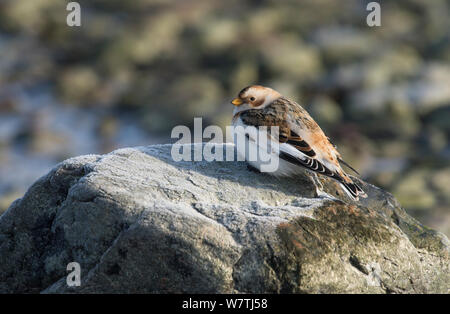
136 221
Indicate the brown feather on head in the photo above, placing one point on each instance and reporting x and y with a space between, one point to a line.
256 96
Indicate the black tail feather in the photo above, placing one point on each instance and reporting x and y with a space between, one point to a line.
353 189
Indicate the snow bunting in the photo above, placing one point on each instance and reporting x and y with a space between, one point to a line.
300 140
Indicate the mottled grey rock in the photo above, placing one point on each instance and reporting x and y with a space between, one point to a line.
136 221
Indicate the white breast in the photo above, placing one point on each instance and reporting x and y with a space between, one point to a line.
250 136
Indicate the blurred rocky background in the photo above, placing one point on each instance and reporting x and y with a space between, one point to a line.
135 69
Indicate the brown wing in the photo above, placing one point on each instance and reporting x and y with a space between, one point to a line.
286 135
308 158
309 161
299 143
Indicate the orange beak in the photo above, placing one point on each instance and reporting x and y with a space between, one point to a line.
237 102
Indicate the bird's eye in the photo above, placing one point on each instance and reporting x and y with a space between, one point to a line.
252 98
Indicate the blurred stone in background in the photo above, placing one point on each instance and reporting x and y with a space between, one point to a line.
135 69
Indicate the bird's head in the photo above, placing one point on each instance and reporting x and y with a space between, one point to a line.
254 97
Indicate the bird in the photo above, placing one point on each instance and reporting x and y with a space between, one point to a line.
301 142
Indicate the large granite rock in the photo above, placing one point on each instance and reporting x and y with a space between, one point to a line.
136 221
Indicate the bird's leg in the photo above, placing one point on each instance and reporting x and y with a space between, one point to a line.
319 187
317 184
